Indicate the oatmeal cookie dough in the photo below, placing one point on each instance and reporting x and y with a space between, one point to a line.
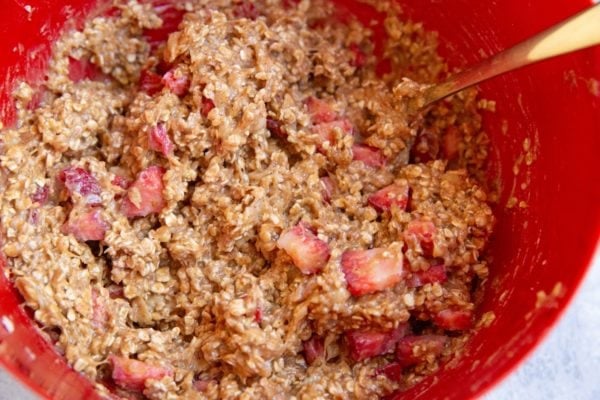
222 200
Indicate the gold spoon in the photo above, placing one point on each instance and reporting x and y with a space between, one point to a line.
578 32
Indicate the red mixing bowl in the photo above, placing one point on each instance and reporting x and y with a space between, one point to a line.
545 246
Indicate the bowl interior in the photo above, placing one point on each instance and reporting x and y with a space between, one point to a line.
544 137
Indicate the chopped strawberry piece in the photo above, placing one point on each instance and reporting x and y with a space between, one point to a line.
206 106
274 127
83 69
112 12
115 291
370 156
392 371
424 232
80 181
171 18
150 82
314 349
425 148
326 122
34 216
413 350
162 67
435 274
99 311
177 83
454 320
450 143
326 131
363 344
359 57
423 229
392 195
85 224
246 9
40 195
307 251
145 195
121 182
159 140
132 374
320 111
202 384
369 271
258 315
329 188
367 344
37 98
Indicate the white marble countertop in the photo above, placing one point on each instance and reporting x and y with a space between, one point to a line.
565 366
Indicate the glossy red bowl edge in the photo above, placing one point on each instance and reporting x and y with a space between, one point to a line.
546 246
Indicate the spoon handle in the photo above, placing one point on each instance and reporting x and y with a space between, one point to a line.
578 32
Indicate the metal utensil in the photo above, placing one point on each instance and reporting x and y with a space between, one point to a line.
578 32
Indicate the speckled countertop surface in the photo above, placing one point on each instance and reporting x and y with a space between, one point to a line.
565 366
